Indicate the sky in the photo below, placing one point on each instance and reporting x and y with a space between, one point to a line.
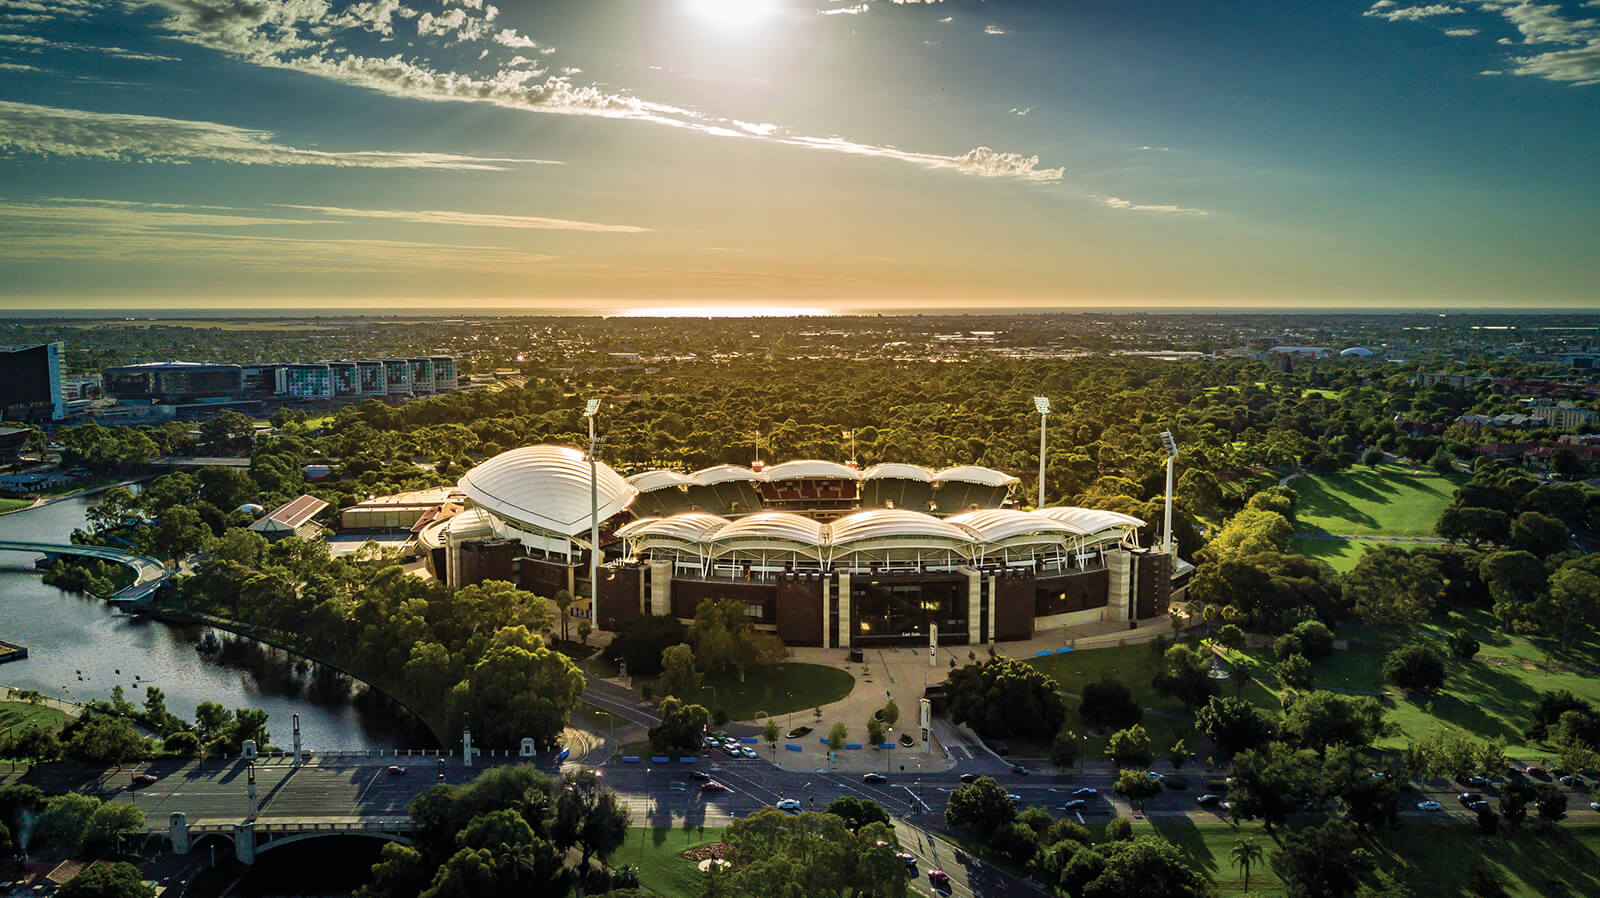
608 155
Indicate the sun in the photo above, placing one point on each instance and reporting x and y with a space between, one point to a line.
733 14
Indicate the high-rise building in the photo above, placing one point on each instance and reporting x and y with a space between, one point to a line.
30 383
173 381
305 381
421 375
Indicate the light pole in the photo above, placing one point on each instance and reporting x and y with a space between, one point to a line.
589 411
1171 446
1042 403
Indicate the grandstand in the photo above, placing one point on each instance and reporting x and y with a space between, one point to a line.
725 490
969 487
661 493
893 485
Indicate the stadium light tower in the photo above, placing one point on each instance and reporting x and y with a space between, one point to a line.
589 411
1042 403
1171 446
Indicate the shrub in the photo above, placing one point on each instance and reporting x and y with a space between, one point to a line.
1286 645
1414 667
1119 829
1316 640
1109 703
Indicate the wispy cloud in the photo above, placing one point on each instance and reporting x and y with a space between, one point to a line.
993 29
473 219
1461 32
1019 112
1393 12
1126 205
76 133
1560 48
980 161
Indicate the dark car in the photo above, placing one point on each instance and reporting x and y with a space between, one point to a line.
969 777
699 775
1085 792
1470 798
1480 781
874 778
396 770
940 880
1019 770
143 779
907 858
1209 798
1076 804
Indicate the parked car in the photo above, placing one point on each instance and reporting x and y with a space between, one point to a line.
1014 797
1468 798
1572 780
874 778
748 753
1594 805
1429 805
788 805
395 770
712 742
1480 781
1155 777
143 779
907 858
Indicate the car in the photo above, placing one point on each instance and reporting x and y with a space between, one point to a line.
1019 770
788 805
1014 797
1076 804
712 742
1533 770
874 778
1429 805
969 777
1479 780
395 770
1575 782
731 751
1469 798
1208 798
699 775
1155 777
748 753
1594 805
939 879
713 786
1085 792
143 779
907 858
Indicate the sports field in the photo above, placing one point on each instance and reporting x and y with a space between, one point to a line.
1385 501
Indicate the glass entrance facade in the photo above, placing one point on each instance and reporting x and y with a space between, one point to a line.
893 612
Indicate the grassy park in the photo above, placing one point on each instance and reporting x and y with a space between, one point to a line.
778 689
1340 554
21 715
1387 500
1135 666
9 505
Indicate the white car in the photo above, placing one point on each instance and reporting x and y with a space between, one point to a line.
1429 805
788 805
748 752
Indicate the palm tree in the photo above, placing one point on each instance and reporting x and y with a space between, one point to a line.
1244 854
563 601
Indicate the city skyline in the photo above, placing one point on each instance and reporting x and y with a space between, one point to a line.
802 154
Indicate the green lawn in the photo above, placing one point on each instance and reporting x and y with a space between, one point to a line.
779 689
1135 666
13 504
20 715
1386 501
1433 858
1340 554
655 849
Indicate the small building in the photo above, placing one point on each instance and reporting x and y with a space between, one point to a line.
12 439
297 518
402 511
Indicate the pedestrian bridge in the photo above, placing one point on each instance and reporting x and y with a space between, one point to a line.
149 574
250 839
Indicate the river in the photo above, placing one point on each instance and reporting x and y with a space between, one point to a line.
80 648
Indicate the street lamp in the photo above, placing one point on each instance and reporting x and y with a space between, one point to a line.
1042 403
589 410
1171 445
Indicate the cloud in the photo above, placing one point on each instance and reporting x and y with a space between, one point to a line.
1388 11
1119 203
1461 32
1021 112
508 37
993 29
75 133
473 219
290 34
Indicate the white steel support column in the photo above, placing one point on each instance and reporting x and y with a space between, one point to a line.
844 609
994 595
660 588
827 611
974 603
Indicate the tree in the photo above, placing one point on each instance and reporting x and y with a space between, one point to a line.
1316 640
838 735
857 812
108 823
678 676
1137 786
1249 532
725 640
1445 753
1145 866
1390 586
1320 719
771 733
117 880
1324 861
1550 802
1186 675
1538 533
1064 749
980 807
1108 703
588 816
1269 782
875 734
681 728
1177 754
33 744
1015 843
562 600
1514 803
518 689
400 872
1005 697
1130 747
1295 672
1473 525
640 641
1515 580
1234 725
1415 667
104 739
1463 646
1229 635
890 714
1572 605
1246 854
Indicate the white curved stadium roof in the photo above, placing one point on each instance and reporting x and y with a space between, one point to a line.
897 471
650 481
896 523
1092 520
810 468
724 474
690 527
974 474
997 524
773 526
546 487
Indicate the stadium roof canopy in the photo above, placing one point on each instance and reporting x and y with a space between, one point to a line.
725 474
974 474
897 471
770 531
810 469
546 487
691 528
995 525
650 481
1091 520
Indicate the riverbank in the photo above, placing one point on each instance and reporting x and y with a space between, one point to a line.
10 651
13 694
94 490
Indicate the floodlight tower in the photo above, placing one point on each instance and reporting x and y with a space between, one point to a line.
1171 446
589 411
1042 403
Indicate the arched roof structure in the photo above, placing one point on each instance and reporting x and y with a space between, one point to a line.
684 532
770 533
546 488
1091 520
650 481
975 474
897 471
725 474
809 469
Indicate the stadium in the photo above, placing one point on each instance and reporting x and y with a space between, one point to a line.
819 552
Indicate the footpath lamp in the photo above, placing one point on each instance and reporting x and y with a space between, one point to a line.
1171 445
589 411
1042 403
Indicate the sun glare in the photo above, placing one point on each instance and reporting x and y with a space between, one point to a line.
741 311
732 14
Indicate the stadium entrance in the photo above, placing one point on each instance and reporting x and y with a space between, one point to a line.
888 611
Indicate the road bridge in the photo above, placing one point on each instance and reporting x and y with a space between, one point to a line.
149 574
